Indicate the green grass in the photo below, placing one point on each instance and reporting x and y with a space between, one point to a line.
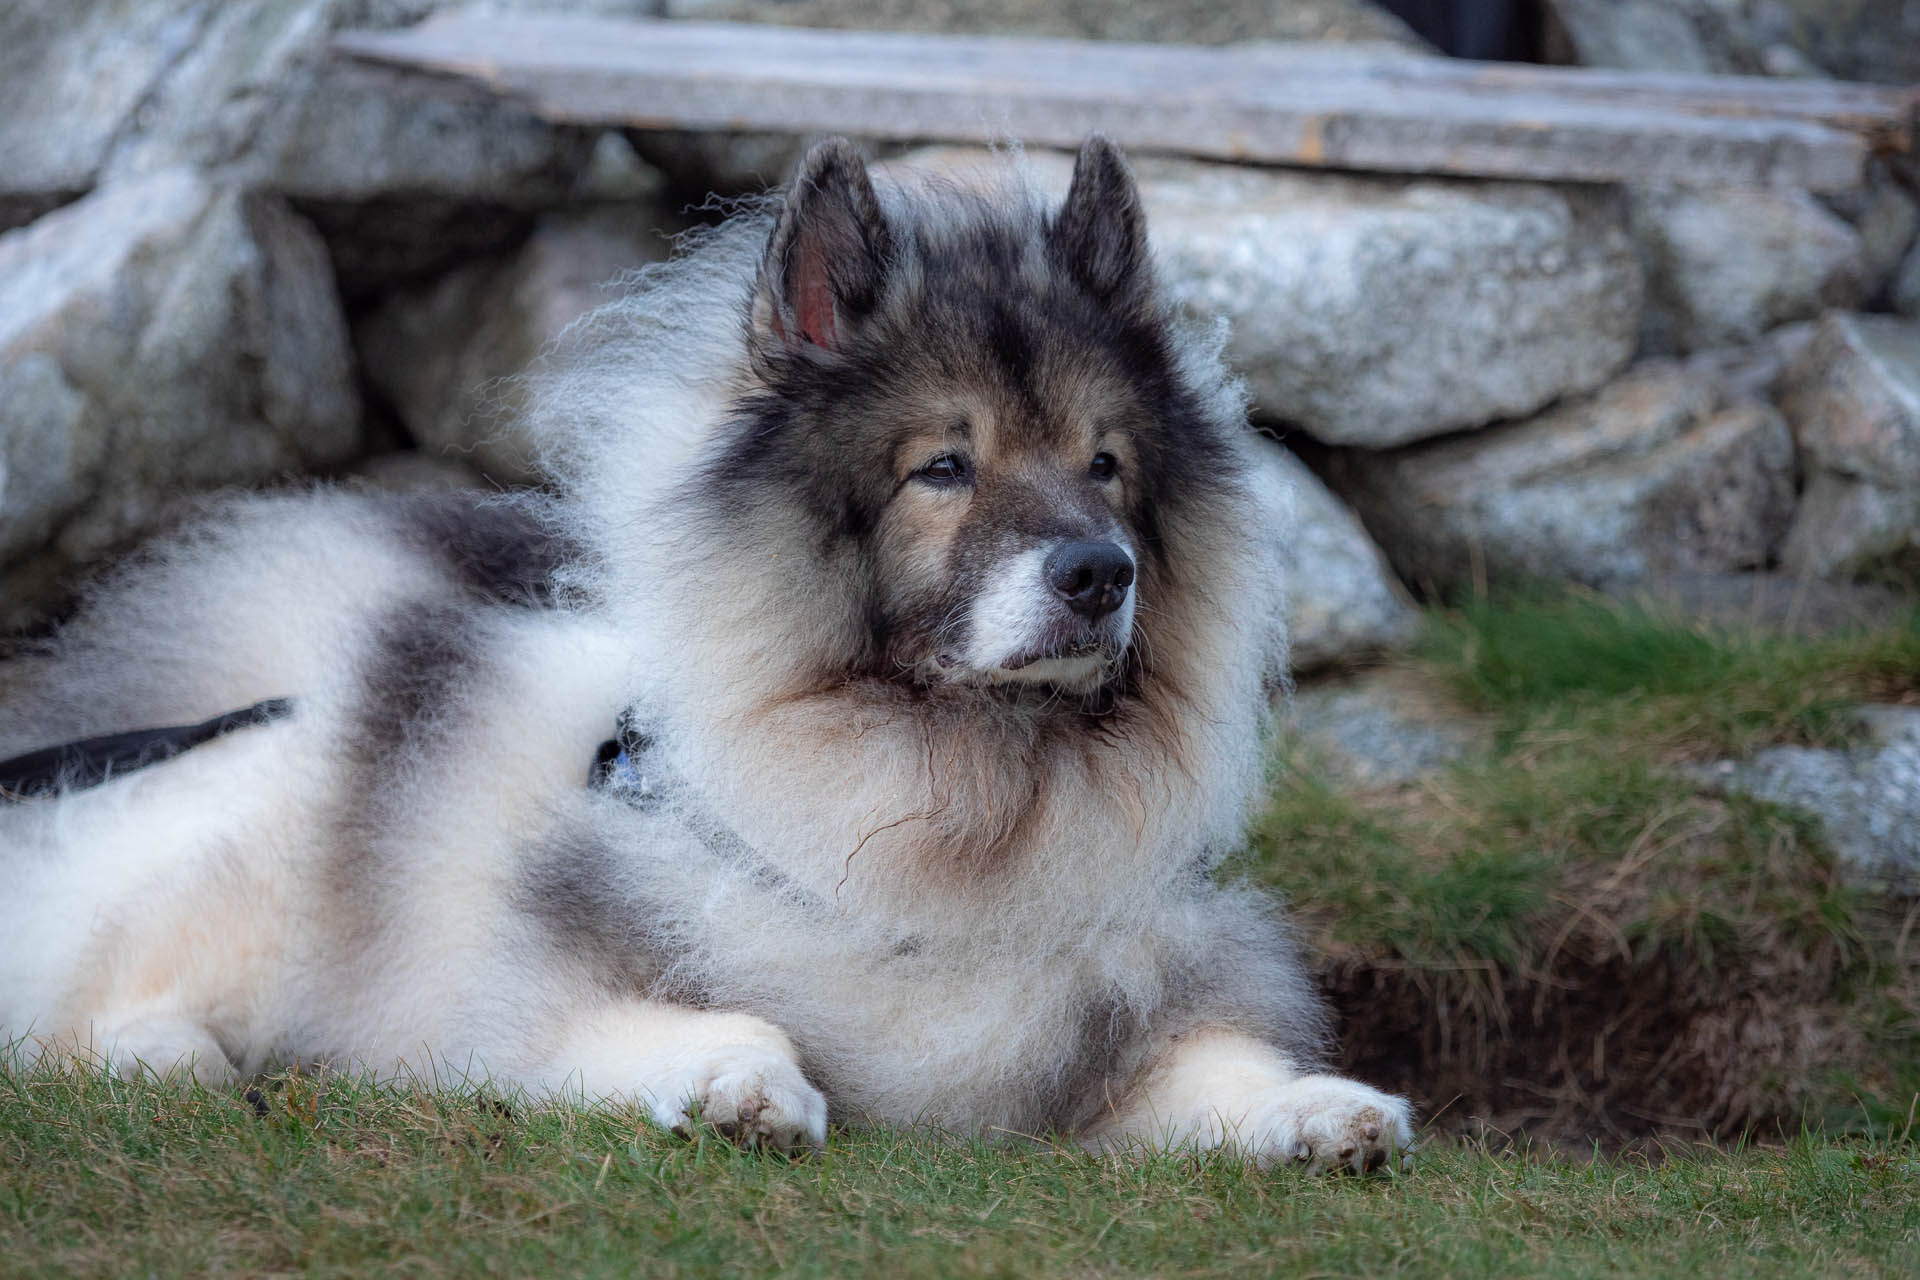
101 1177
1487 933
1572 861
1612 671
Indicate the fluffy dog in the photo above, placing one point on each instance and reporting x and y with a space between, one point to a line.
913 566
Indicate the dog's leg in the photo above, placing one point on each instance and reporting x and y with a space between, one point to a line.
733 1071
1217 1088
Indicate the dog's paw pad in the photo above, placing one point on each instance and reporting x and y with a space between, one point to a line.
1325 1124
754 1097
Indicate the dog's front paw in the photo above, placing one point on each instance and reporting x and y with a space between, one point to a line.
752 1093
1324 1124
174 1049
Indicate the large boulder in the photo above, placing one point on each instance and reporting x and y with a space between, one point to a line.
1853 398
1376 311
404 175
444 354
117 88
1723 267
1866 798
1663 471
160 336
1343 601
72 78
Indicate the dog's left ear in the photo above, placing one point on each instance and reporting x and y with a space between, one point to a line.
1100 233
827 258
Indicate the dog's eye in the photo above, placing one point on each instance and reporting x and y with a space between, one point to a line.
1103 466
947 469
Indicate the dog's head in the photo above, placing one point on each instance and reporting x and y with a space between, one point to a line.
968 411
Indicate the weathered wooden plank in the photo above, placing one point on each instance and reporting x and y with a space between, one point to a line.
1272 104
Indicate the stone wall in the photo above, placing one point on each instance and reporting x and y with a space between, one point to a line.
228 258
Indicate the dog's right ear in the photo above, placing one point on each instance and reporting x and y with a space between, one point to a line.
827 259
1100 233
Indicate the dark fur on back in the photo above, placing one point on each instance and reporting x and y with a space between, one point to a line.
508 551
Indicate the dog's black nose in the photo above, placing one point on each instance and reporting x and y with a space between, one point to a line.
1092 577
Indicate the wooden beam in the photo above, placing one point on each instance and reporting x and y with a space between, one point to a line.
1321 106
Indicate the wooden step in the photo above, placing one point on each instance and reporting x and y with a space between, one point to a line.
1344 107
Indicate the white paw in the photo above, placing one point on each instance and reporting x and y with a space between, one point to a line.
1324 1124
165 1049
752 1093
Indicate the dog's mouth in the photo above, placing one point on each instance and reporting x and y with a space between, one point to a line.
1058 615
1081 671
1086 651
1082 664
1083 659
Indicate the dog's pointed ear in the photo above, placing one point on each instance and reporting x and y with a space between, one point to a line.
1100 233
828 256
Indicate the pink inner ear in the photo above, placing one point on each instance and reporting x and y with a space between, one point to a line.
813 308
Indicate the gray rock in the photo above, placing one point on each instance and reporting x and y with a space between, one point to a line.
1904 292
18 211
1344 602
1867 799
158 337
1887 216
259 91
1381 730
1379 311
94 92
699 163
1853 398
1851 39
359 132
1847 527
1637 35
443 354
1754 372
1876 40
72 78
1660 472
1723 267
